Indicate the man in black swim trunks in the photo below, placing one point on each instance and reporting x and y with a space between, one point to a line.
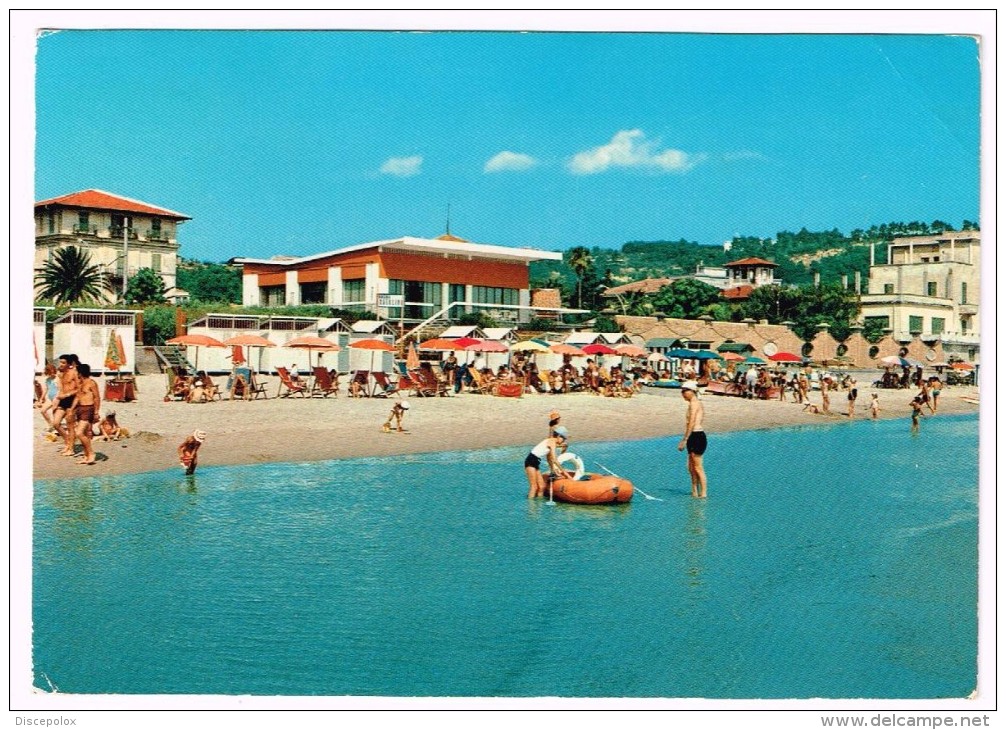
695 438
66 401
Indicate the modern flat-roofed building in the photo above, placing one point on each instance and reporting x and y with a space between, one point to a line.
408 279
928 287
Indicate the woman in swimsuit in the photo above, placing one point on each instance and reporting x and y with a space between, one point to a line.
545 449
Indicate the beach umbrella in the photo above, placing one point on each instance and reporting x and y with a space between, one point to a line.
248 342
439 343
733 357
372 345
529 346
195 341
631 350
412 357
564 349
706 355
657 357
462 343
598 348
680 353
312 343
486 346
785 357
962 366
752 360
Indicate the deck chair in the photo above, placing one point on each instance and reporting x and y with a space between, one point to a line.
242 384
384 387
324 384
359 386
406 380
478 384
287 386
428 384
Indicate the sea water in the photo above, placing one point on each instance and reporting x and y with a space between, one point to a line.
836 561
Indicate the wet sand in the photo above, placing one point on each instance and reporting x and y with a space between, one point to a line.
312 429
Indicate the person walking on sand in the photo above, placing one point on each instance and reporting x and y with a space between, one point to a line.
88 405
694 438
853 394
66 401
188 451
825 398
545 449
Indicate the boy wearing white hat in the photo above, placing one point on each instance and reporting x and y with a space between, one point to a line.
694 438
397 414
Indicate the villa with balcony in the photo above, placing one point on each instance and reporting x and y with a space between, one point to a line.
928 287
121 235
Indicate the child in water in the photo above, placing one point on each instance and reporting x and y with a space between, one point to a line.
397 414
874 405
189 449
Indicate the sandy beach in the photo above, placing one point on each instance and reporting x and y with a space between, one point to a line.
311 429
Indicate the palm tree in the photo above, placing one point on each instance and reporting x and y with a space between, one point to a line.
580 262
70 277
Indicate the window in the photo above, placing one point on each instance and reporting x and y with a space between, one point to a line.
964 292
931 288
83 222
155 228
494 295
876 323
888 288
155 262
964 326
456 292
937 325
52 222
354 292
914 324
272 296
313 292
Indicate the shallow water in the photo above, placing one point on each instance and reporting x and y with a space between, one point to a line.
828 562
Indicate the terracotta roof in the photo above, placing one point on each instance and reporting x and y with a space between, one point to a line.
646 286
738 292
751 261
102 200
449 237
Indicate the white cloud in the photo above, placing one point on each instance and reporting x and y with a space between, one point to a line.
402 166
509 161
630 148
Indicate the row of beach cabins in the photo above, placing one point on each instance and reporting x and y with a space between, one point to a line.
106 339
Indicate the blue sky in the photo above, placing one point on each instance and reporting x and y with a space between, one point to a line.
280 142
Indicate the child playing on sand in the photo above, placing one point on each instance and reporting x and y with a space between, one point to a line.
397 414
189 449
109 428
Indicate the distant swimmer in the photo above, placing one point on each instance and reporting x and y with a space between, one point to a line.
694 438
916 405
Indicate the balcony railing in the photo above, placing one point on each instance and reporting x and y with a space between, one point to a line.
116 232
85 230
157 236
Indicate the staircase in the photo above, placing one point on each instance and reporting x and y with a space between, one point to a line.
171 356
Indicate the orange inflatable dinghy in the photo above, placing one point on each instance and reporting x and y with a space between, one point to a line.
592 489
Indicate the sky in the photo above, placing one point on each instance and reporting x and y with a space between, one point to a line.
298 142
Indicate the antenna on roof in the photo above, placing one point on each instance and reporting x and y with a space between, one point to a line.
448 219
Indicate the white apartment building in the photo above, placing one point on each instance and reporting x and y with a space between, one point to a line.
928 287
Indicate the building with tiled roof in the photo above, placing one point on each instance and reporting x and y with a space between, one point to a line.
122 235
644 286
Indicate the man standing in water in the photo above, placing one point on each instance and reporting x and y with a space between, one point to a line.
694 438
